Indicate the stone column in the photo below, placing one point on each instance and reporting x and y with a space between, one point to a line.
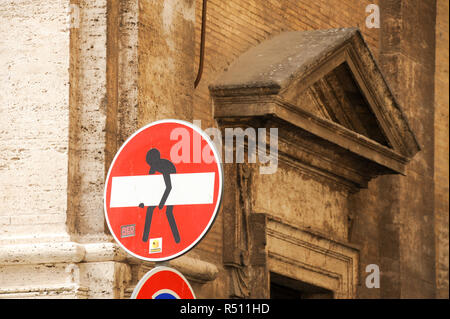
55 243
82 76
34 135
398 211
408 61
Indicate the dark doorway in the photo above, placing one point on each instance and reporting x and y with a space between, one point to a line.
282 287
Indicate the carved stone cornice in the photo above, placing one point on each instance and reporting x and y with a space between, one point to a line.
339 123
73 252
323 90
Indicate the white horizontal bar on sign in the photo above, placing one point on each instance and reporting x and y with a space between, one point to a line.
187 189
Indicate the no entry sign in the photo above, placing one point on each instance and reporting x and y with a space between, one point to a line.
163 283
163 190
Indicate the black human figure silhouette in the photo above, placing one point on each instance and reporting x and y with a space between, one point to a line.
165 167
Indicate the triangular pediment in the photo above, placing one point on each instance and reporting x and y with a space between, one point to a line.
337 97
323 79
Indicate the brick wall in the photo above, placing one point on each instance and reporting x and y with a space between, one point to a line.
235 26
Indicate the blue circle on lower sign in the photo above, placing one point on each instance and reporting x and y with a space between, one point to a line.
165 295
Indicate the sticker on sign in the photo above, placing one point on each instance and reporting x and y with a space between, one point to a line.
155 245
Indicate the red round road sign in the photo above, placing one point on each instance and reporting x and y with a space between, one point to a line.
163 190
163 283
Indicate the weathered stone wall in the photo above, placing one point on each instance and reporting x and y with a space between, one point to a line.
313 202
55 113
441 149
88 109
408 63
121 74
131 62
34 121
232 28
396 213
166 60
394 218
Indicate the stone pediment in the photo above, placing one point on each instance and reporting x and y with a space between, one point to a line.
323 84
